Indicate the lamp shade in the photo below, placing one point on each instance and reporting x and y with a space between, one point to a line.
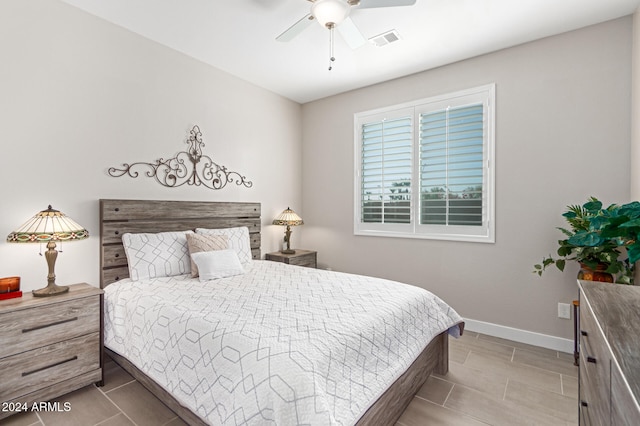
330 12
288 218
48 225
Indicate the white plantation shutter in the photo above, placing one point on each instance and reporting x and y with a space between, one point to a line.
386 171
425 169
451 166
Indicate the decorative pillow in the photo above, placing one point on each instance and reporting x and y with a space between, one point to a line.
213 265
157 255
238 240
198 243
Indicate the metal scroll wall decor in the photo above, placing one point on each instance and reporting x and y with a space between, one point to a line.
190 167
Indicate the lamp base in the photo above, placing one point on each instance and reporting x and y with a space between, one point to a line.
288 251
50 290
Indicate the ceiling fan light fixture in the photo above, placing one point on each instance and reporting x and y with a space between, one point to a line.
330 12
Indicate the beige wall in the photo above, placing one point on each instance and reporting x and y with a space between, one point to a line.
562 134
78 95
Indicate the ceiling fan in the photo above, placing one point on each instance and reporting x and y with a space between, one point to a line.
333 14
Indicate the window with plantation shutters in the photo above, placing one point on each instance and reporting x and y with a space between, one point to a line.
425 169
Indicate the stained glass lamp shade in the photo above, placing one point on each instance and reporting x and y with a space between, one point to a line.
288 218
49 226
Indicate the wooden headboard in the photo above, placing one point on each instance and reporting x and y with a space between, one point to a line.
118 217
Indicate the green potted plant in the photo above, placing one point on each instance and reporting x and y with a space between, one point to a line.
598 238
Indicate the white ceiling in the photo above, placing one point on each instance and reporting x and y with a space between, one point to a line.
238 36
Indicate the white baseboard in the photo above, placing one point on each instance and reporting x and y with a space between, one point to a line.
522 336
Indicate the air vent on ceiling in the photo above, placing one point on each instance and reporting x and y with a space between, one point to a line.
385 38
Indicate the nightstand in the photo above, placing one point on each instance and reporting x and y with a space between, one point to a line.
49 346
306 258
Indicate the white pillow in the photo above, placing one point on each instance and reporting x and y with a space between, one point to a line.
157 255
199 242
213 265
238 240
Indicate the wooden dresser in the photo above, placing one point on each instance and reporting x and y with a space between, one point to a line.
609 354
49 346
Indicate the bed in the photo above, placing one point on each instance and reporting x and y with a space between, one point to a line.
277 317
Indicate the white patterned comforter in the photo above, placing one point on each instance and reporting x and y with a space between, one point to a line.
280 344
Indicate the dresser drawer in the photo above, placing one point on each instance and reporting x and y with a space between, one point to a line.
30 371
594 392
624 410
27 329
585 414
595 369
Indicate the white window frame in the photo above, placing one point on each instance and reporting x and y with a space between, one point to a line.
485 233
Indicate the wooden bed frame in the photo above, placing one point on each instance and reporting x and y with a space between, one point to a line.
120 216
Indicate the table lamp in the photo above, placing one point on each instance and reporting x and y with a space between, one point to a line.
49 226
288 218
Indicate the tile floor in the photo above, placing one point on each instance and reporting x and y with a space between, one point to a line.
491 381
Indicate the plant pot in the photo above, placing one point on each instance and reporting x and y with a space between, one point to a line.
599 274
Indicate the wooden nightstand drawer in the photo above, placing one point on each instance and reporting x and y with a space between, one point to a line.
306 258
26 329
308 261
50 346
26 372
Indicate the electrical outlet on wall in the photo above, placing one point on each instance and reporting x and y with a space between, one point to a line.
564 310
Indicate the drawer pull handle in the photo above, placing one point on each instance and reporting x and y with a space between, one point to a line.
584 403
26 373
591 359
584 333
26 330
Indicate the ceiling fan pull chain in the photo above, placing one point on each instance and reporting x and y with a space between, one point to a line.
331 57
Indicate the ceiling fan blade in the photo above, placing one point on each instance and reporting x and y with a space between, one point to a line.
370 4
351 34
291 32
